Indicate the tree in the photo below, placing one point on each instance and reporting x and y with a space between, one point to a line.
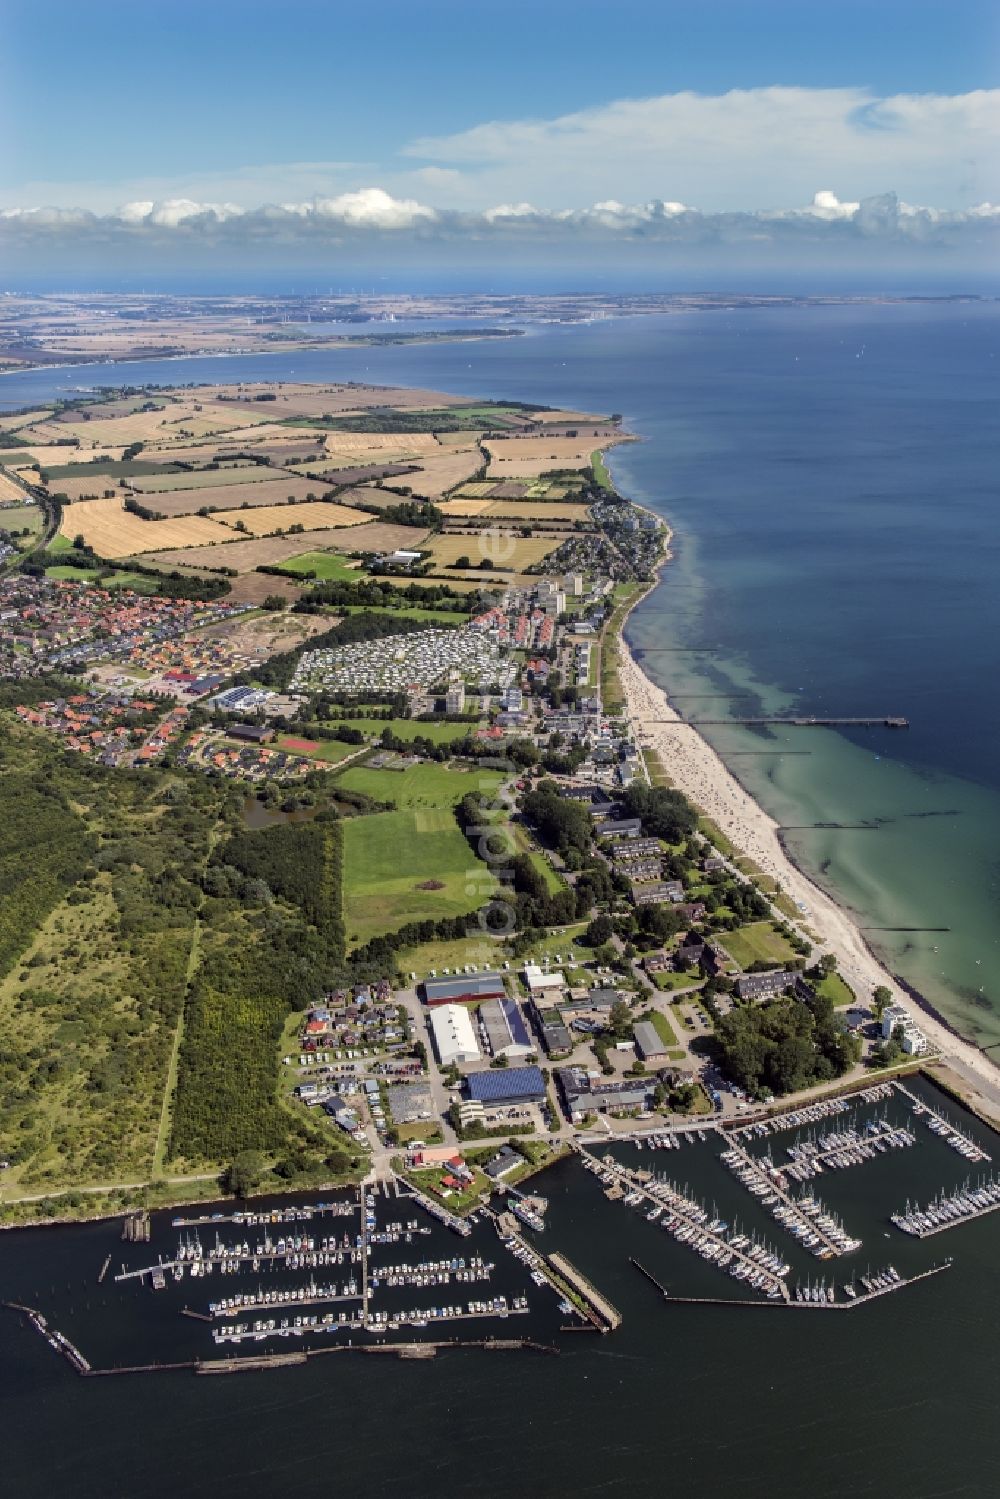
881 998
827 964
599 931
245 1173
620 1020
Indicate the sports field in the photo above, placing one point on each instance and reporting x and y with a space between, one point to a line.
422 784
325 565
390 856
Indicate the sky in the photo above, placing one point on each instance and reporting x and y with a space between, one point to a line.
645 140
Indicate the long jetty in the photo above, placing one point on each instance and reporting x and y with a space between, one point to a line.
809 721
814 1306
946 1130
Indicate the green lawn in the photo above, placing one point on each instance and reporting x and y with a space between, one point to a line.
60 543
70 574
756 943
326 565
388 856
478 950
600 469
422 784
407 611
670 981
662 1026
17 517
405 728
562 942
836 989
553 880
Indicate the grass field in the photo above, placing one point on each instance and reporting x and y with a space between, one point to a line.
662 1026
136 581
387 857
561 943
477 949
836 989
326 566
421 785
553 881
405 728
21 517
757 943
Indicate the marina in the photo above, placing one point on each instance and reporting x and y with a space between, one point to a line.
804 1217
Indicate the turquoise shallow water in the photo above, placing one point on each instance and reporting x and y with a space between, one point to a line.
831 474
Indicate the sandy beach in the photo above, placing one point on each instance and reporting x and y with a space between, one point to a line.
695 768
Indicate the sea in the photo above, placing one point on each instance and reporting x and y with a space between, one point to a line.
830 474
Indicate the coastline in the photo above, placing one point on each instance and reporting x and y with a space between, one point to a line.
696 768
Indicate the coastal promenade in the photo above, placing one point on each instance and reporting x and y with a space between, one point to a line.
695 768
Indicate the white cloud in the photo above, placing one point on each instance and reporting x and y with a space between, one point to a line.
735 151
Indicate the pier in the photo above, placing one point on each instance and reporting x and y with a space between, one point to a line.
963 1206
690 1225
815 1306
807 722
814 1229
942 1127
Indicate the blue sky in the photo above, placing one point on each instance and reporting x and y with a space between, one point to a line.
434 120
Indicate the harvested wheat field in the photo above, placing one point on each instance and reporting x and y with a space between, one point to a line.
313 515
112 531
350 444
501 548
244 556
9 490
514 456
440 474
225 498
538 512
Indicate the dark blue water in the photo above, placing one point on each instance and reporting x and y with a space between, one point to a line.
894 1400
832 477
